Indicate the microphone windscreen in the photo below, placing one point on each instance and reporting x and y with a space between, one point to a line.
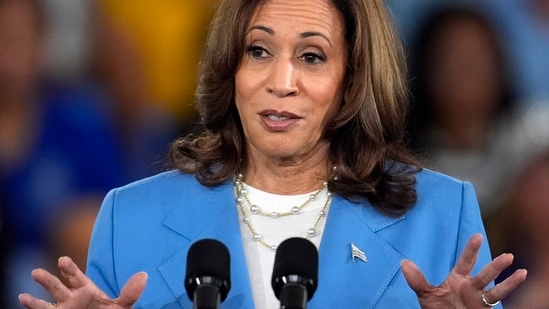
209 258
296 256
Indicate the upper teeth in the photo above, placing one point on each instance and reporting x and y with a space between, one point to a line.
273 117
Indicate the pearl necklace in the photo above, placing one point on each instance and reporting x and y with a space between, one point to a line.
243 198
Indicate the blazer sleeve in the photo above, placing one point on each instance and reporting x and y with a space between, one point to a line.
100 264
471 223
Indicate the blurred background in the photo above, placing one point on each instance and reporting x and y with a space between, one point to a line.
479 85
93 91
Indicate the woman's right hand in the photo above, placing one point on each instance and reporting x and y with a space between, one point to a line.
82 293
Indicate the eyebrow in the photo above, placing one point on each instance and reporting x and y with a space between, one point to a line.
314 33
303 35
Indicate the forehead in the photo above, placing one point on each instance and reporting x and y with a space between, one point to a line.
299 15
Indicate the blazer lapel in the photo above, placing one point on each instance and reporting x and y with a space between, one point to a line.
342 282
213 215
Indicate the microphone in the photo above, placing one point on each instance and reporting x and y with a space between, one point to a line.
208 277
295 273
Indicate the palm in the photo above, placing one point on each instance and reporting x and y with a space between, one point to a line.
460 290
456 292
84 293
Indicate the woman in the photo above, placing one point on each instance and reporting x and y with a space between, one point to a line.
298 88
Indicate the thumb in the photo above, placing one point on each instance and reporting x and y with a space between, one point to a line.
133 289
415 278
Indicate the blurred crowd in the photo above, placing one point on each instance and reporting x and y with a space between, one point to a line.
93 91
91 94
479 86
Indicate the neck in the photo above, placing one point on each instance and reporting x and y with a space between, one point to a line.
287 178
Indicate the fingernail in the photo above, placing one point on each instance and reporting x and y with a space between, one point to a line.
63 257
143 272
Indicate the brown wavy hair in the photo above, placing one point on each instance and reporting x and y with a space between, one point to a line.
367 134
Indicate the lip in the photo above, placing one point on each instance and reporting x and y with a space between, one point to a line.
276 121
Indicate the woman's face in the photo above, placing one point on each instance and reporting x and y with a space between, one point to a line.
289 83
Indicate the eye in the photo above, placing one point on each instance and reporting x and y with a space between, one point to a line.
257 52
313 58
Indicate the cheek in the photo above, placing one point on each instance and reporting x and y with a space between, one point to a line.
330 99
241 95
325 111
238 88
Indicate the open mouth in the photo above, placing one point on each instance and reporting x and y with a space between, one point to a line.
279 122
278 118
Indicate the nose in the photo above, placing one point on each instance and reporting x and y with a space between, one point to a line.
283 78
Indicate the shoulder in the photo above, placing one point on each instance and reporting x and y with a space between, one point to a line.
440 192
171 177
159 186
428 177
431 180
162 191
150 199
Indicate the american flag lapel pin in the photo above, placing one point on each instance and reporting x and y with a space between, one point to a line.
357 253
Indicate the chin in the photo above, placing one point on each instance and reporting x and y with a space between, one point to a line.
285 149
279 151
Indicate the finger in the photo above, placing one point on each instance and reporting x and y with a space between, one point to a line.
507 286
52 284
469 256
415 278
30 302
490 272
133 289
72 273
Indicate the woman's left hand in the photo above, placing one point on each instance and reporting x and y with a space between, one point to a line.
460 290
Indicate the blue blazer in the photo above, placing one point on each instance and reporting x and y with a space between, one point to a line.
149 225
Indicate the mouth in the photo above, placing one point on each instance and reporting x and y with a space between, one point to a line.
278 118
278 121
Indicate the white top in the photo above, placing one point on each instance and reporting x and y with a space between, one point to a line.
259 258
